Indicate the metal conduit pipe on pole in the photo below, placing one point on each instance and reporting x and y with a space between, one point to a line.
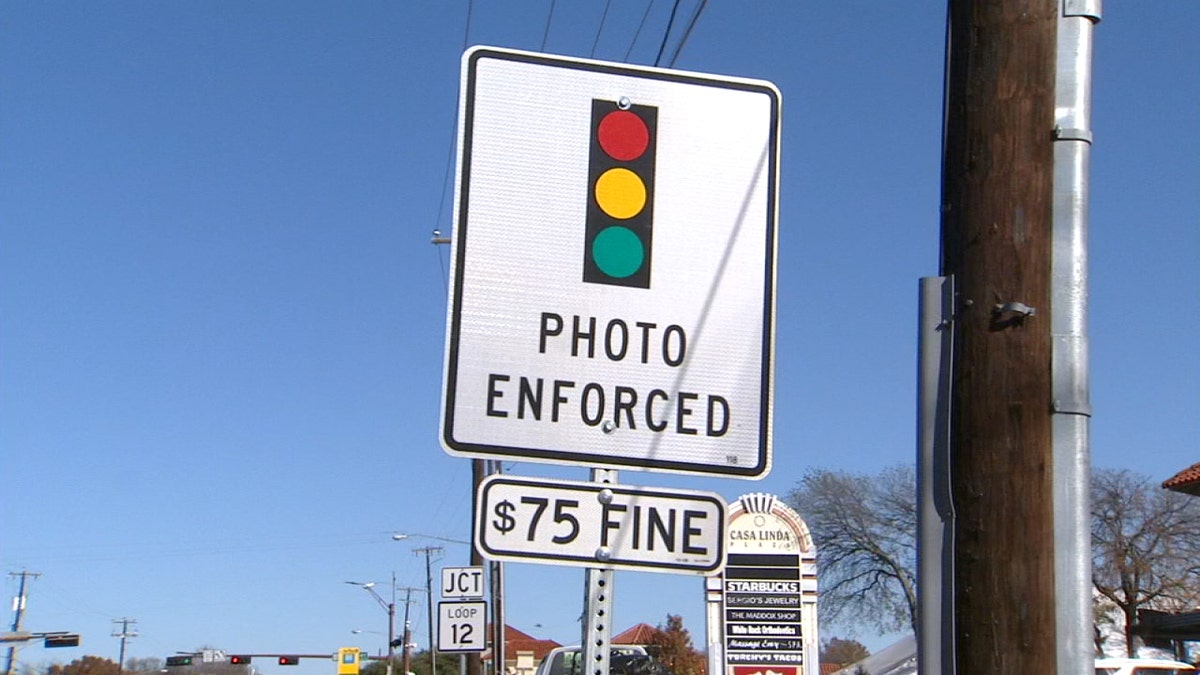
935 514
1069 366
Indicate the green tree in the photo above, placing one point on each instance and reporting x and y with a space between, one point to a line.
380 668
865 531
1145 546
843 652
671 644
447 664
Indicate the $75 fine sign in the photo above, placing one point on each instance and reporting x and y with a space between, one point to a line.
600 525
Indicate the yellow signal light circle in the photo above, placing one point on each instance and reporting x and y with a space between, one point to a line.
620 193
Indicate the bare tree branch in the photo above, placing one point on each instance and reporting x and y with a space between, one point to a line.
1145 541
864 528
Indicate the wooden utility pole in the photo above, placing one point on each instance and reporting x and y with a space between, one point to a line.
996 243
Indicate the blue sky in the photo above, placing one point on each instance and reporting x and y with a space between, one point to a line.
222 320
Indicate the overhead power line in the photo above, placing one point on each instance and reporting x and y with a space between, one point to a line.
687 33
546 33
667 33
638 31
600 29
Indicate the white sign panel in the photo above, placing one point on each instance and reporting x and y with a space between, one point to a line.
462 583
614 266
461 626
600 526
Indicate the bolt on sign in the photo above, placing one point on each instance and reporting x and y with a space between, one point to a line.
770 590
613 268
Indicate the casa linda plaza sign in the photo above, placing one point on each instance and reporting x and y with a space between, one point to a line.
613 269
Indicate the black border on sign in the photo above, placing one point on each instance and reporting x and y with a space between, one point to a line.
480 524
483 605
763 464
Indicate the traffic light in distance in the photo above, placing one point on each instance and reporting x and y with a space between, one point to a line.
239 660
179 661
620 210
289 660
68 640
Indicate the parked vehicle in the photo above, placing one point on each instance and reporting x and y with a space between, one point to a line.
566 660
1123 666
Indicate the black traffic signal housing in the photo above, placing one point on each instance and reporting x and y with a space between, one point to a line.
173 661
61 640
239 660
289 660
620 211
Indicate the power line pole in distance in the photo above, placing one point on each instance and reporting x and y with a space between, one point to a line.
18 612
125 633
406 658
428 551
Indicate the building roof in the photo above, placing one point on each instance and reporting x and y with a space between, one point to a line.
1186 481
639 634
518 641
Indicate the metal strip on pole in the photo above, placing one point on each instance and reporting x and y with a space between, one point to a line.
935 521
1071 389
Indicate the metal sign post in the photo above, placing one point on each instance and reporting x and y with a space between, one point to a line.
597 605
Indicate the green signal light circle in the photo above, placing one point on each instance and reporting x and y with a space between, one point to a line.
618 252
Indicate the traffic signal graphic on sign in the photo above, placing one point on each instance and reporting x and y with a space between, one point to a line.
620 212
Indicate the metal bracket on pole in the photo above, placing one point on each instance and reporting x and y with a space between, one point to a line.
597 606
1091 9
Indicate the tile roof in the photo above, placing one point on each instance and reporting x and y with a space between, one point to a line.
639 634
519 641
1187 481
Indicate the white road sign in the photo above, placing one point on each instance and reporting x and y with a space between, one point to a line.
461 626
462 583
613 266
601 526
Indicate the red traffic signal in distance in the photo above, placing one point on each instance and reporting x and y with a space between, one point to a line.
289 660
239 660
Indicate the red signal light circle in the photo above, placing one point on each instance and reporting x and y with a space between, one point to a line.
623 135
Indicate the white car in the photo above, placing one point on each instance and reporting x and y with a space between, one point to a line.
565 660
1122 666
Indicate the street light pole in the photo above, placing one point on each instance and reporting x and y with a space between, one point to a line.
390 608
